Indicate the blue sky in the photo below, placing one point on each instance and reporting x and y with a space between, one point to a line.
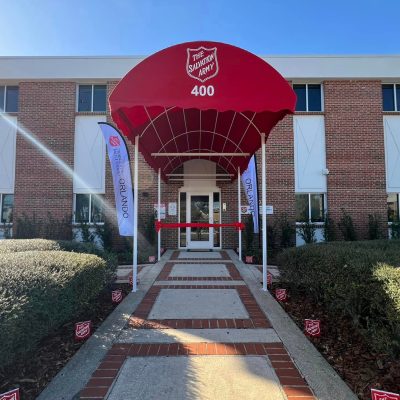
127 27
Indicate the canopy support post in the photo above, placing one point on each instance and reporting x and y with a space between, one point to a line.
158 215
264 215
135 214
239 216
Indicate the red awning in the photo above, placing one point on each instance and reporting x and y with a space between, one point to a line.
200 97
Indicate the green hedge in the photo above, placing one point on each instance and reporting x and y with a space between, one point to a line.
39 292
359 280
18 245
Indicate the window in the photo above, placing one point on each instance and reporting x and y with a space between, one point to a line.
393 207
310 207
92 98
9 98
309 97
391 97
88 209
6 208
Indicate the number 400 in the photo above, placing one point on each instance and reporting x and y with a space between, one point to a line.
203 90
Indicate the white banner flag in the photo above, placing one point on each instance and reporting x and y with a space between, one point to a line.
121 172
249 180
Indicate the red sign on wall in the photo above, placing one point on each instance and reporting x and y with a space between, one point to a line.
381 395
11 395
281 295
312 327
83 330
116 296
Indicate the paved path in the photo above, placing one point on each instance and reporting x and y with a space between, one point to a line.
199 328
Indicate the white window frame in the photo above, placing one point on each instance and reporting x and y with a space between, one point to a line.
1 209
90 209
3 106
299 223
322 95
92 96
396 106
398 205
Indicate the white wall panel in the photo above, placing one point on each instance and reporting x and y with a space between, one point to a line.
309 153
392 152
8 135
89 159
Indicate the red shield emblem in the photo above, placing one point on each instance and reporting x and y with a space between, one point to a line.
11 395
202 63
281 295
249 259
381 395
83 330
114 141
116 296
269 279
312 327
131 280
152 259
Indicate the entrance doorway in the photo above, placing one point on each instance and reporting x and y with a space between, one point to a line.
200 207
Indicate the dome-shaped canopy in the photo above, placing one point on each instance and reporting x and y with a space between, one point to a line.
200 98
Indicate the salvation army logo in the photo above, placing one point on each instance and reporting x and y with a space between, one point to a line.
11 395
114 141
82 330
382 395
116 296
312 327
202 63
281 295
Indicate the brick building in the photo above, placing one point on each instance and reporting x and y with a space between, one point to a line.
340 151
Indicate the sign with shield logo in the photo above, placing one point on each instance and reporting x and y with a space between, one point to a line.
381 395
312 327
202 63
83 330
116 296
281 295
11 395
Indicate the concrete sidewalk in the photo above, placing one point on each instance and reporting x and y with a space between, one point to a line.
199 327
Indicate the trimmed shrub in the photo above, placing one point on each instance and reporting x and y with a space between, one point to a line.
40 291
357 280
18 245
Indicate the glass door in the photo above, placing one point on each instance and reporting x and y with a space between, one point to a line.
199 212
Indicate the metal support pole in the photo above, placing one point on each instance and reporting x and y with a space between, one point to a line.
264 215
158 214
135 214
239 215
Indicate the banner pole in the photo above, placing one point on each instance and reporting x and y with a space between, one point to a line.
135 215
239 215
264 215
158 214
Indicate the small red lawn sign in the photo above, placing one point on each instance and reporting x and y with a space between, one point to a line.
249 259
11 395
116 296
83 330
281 295
152 259
312 327
381 395
269 279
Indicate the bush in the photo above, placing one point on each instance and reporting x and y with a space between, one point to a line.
374 227
307 232
329 229
357 280
346 226
39 292
287 231
19 245
249 236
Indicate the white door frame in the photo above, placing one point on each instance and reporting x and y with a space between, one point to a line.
206 191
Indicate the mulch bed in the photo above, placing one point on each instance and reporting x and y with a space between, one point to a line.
34 374
346 350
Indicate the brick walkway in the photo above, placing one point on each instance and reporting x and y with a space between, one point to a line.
198 333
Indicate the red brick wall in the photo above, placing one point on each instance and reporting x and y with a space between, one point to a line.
355 151
47 109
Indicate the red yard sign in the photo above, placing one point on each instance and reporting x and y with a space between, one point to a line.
83 330
281 295
249 259
152 259
11 395
116 296
381 395
130 280
312 327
